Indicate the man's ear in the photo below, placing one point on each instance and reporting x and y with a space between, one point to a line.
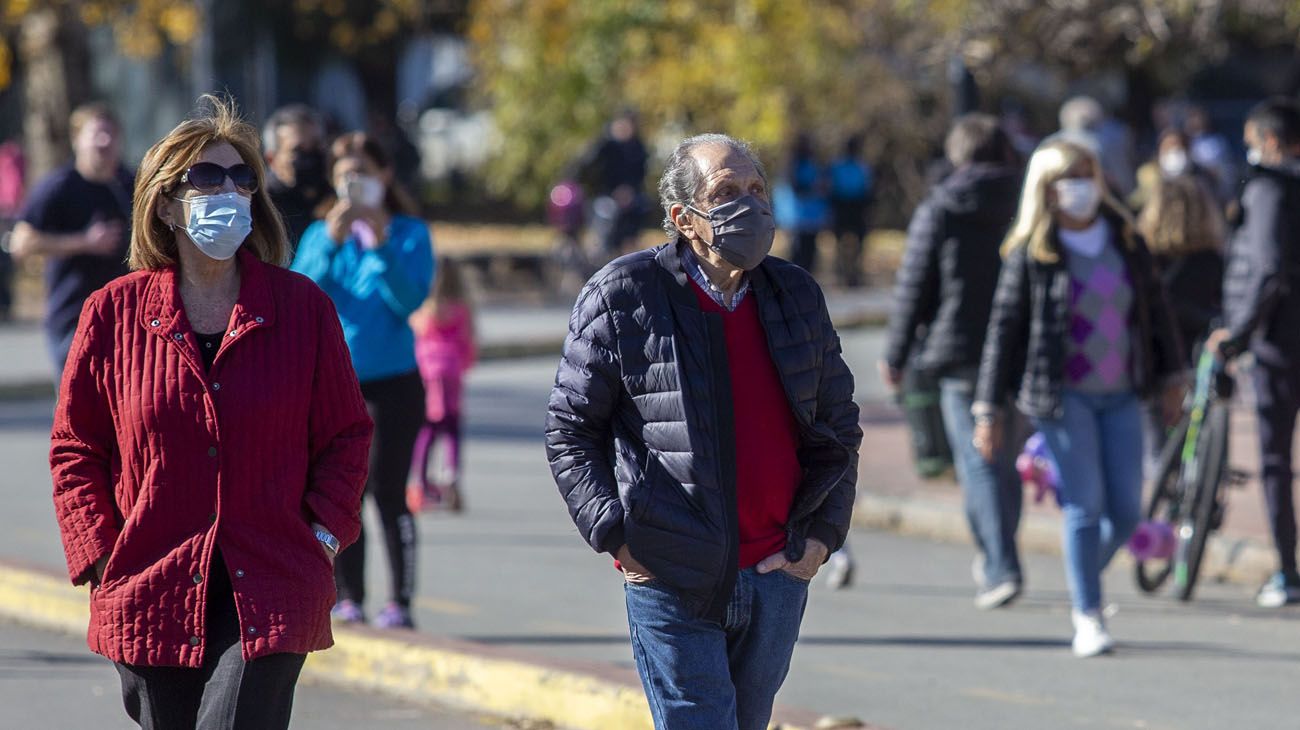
682 219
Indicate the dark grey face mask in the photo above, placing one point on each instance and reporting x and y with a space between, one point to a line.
743 230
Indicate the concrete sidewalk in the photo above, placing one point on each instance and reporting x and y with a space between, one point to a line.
891 496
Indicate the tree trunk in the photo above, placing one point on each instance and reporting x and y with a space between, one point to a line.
56 78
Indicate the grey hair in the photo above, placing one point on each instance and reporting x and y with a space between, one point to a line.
683 180
1081 113
290 115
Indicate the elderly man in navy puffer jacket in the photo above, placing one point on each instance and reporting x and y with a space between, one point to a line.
702 431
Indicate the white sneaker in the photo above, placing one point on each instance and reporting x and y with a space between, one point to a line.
997 596
1090 635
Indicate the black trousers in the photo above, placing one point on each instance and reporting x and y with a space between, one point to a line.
226 693
396 405
1277 399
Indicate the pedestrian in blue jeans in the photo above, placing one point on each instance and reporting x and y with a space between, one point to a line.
945 289
1081 320
702 431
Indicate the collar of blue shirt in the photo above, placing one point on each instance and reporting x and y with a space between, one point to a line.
693 269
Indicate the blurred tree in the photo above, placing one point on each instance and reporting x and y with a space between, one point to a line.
52 59
554 71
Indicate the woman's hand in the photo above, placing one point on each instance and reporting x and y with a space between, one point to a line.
893 379
318 527
988 438
378 221
338 221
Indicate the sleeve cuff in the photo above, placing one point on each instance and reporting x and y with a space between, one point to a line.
614 539
82 558
826 534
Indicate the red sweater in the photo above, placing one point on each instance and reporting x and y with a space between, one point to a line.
767 436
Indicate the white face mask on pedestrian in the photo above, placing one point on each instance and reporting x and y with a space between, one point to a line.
1174 163
218 224
1078 197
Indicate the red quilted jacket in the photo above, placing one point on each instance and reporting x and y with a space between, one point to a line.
156 462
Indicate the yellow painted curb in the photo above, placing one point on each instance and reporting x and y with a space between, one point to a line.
416 669
497 686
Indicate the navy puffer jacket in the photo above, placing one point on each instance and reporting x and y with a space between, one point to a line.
639 431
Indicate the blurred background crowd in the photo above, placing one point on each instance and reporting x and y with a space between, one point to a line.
488 108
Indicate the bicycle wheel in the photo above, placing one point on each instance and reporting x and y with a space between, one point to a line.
1213 450
1164 505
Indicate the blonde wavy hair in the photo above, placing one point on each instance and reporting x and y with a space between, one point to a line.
153 244
1035 224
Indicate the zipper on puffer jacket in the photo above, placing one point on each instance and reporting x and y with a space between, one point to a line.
723 413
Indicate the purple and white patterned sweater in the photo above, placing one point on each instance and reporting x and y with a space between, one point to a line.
1098 349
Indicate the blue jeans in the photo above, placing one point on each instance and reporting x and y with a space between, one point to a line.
1097 446
992 489
699 674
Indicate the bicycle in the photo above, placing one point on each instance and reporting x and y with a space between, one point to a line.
1188 491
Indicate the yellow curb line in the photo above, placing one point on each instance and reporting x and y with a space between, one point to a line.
462 680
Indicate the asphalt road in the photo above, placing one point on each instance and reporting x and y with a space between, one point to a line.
902 648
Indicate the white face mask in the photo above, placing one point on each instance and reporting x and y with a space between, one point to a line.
363 190
1254 156
1077 197
219 223
1173 163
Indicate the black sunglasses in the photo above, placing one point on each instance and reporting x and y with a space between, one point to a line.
210 176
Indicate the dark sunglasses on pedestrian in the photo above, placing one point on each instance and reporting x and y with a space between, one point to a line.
209 176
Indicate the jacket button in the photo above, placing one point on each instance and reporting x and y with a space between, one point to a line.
233 332
212 451
197 579
154 323
194 641
258 320
239 574
216 386
252 629
178 337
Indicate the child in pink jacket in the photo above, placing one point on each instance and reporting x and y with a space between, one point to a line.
444 351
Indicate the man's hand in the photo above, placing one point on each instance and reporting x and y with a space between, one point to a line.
102 238
633 572
814 554
891 377
1215 341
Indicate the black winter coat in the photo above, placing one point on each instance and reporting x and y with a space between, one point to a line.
1194 284
1030 324
1262 283
950 269
639 432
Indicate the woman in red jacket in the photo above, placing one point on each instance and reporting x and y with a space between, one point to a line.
209 445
